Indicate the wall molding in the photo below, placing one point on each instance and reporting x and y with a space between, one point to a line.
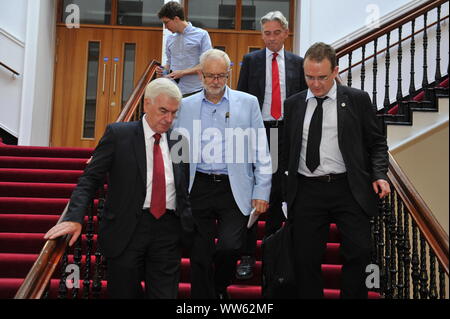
11 37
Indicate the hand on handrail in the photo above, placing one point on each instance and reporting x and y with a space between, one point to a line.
381 187
64 228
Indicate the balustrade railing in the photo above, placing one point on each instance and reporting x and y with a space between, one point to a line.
410 247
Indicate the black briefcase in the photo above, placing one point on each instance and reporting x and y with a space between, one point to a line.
278 276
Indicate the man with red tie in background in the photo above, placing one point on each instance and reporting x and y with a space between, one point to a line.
272 75
147 207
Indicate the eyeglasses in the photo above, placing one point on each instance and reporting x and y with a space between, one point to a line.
211 77
321 78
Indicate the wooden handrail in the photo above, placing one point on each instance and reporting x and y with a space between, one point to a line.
430 228
387 27
138 92
9 68
43 268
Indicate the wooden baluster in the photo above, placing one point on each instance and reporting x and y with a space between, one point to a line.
349 75
388 247
375 70
381 245
393 237
438 75
399 59
423 269
441 282
89 242
363 66
407 258
425 57
99 262
415 262
412 86
387 101
400 251
62 289
433 287
77 257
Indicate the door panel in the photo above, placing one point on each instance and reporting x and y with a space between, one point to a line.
139 47
92 80
81 87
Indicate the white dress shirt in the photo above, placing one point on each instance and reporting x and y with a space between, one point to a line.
331 161
267 105
168 169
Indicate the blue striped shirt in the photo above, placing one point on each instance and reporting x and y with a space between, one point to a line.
213 123
183 51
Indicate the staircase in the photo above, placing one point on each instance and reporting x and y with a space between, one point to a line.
35 186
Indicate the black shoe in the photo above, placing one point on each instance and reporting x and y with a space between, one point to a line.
245 268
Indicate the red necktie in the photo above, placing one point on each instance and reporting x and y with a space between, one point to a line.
158 200
275 110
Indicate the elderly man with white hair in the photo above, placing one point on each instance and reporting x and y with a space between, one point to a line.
147 207
230 173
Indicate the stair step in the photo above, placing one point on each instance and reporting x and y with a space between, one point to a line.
25 223
42 162
49 190
38 151
33 205
39 175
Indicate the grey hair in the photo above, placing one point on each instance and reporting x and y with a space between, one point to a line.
275 16
215 54
162 86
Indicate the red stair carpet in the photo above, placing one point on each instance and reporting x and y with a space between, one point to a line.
35 185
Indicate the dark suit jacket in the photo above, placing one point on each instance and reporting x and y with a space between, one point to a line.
120 155
361 143
252 77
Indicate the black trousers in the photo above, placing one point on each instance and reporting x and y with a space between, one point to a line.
153 255
318 204
274 216
216 214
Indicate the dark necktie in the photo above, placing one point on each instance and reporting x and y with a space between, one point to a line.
158 200
275 109
314 137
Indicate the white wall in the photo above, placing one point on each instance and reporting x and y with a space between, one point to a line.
330 20
12 52
27 44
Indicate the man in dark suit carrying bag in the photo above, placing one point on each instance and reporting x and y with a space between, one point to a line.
147 207
337 161
272 75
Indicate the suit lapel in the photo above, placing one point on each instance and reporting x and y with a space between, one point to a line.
343 103
261 61
139 149
287 68
298 134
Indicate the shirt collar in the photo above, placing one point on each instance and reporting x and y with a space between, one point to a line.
280 53
332 93
188 28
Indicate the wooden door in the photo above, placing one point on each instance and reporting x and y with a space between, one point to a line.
96 71
132 50
227 42
81 88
